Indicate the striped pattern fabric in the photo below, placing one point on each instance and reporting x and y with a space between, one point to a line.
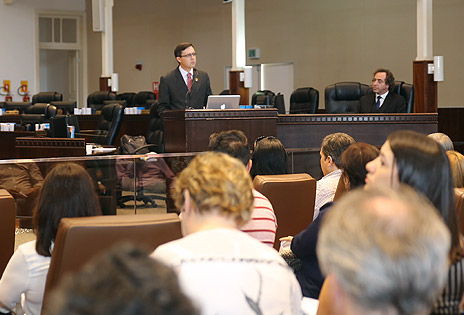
263 222
448 302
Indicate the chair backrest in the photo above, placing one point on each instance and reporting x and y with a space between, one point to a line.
7 230
47 97
407 91
262 97
78 240
341 189
19 106
142 98
109 124
459 202
96 99
64 108
292 196
343 97
128 97
47 110
155 132
304 101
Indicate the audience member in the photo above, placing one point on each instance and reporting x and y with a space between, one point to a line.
222 269
332 148
263 222
67 191
457 168
269 157
381 100
122 281
416 160
353 162
443 140
383 252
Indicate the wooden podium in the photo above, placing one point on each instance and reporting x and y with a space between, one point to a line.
189 130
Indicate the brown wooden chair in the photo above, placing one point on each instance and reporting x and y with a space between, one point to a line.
292 196
78 240
341 189
459 202
7 230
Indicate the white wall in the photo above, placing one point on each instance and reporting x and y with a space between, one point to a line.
18 52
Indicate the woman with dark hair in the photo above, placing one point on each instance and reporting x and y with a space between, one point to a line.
303 245
411 158
67 191
269 157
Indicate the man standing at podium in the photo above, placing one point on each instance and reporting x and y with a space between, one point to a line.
382 100
185 86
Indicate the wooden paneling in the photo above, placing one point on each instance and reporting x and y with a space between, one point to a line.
425 100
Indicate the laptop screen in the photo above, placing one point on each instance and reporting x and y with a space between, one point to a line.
223 102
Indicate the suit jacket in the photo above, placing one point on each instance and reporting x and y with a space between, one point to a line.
174 94
393 103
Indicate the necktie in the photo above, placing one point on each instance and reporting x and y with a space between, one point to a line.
189 81
378 101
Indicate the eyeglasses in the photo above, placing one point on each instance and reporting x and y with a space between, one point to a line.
190 55
261 138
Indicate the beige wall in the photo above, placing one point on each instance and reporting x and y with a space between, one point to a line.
327 40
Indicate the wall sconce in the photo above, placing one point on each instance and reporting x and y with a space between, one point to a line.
437 69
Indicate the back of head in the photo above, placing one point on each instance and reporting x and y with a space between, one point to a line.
232 142
123 281
269 157
216 182
334 144
443 140
67 192
456 160
354 160
387 250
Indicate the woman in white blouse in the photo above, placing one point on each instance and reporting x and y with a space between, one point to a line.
68 191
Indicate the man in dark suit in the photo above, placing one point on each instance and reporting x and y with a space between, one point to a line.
185 86
381 100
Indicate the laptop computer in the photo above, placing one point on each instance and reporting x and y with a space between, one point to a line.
223 102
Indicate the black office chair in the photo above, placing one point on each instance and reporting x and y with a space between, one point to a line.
343 97
407 91
262 97
19 106
37 114
97 99
154 141
47 97
144 99
304 101
128 97
225 92
109 124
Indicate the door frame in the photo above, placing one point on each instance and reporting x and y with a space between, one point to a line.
82 85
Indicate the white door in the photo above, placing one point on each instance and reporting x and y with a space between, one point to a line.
59 54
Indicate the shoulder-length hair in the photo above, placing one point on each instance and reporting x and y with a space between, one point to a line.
422 163
67 192
354 160
269 157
